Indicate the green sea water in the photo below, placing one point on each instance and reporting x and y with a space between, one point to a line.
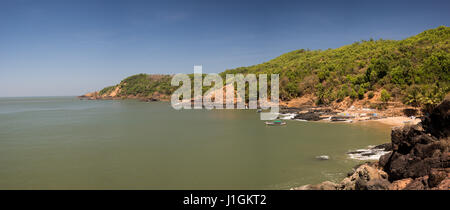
66 143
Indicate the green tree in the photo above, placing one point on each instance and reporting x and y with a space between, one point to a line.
361 92
385 96
353 94
370 95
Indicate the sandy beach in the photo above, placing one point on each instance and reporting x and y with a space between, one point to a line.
398 121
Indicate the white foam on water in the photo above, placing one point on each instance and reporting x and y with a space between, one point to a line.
288 116
367 154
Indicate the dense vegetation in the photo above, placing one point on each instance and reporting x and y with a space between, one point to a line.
142 85
414 70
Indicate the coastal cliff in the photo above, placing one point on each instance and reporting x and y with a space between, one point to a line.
419 159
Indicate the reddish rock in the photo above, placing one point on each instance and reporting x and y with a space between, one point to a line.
444 185
419 159
436 177
420 183
400 184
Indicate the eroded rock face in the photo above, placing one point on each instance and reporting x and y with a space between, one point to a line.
400 184
436 177
420 153
437 122
444 185
420 183
416 162
368 176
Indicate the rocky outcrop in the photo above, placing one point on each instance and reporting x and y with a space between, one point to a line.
368 176
90 96
400 184
414 154
314 114
418 160
420 153
309 116
437 122
385 147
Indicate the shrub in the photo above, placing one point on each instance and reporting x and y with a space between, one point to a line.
353 94
107 90
341 95
385 96
361 92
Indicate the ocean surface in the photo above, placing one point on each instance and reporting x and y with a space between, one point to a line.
67 143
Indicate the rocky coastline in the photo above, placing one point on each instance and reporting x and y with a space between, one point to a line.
97 96
418 159
303 112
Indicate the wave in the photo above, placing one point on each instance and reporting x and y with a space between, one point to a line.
371 153
288 116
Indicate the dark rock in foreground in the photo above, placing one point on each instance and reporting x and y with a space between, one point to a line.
437 122
421 152
419 159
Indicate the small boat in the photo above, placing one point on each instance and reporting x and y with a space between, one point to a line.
259 110
276 122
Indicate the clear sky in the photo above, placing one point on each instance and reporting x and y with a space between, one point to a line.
54 48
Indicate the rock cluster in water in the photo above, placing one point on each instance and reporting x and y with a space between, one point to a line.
419 159
315 114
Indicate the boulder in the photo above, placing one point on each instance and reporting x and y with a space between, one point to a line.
437 122
375 184
385 147
444 185
420 183
400 184
309 116
327 185
414 153
384 159
436 177
405 138
367 176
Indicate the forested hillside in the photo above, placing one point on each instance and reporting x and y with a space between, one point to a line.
414 71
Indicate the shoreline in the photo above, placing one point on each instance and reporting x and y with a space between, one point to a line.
415 159
398 121
330 115
314 113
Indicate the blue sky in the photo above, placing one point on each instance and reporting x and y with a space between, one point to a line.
54 48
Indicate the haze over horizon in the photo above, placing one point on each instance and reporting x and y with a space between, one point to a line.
65 48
